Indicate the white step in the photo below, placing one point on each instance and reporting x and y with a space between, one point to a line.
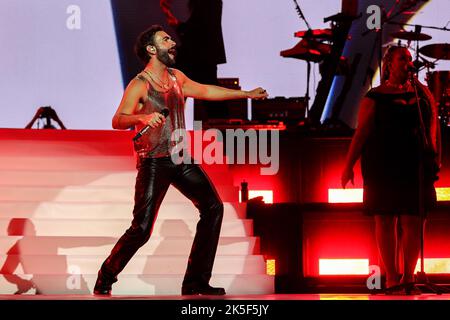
15 142
89 178
78 142
119 210
97 194
103 245
139 264
116 227
139 284
73 163
80 162
67 178
107 210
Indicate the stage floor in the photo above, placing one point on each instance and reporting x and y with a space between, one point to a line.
312 297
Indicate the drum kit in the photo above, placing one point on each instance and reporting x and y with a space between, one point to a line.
438 81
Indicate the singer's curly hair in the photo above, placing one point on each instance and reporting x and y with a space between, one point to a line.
145 39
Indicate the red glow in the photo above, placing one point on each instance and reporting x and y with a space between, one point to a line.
343 266
361 266
345 195
266 194
356 195
435 265
271 267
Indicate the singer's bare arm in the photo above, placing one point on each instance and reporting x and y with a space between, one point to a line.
125 117
365 126
210 92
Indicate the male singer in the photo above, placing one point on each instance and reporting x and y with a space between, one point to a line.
155 89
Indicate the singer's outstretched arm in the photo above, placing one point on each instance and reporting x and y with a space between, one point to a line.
210 92
134 95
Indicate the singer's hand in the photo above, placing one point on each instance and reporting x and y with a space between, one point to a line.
153 120
347 176
258 93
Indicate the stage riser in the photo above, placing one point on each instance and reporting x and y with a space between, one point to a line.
140 264
141 284
97 194
107 211
103 245
67 196
94 178
341 234
162 227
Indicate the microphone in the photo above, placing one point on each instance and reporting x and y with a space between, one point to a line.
412 70
164 112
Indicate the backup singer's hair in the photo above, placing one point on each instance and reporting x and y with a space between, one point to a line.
387 59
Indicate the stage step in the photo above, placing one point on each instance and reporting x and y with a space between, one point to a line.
52 245
116 227
97 194
107 210
77 162
139 264
64 163
129 285
51 143
88 178
66 196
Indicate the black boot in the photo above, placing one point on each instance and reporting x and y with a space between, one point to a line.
202 290
103 285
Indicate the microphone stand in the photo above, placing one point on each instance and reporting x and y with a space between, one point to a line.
308 69
424 145
300 13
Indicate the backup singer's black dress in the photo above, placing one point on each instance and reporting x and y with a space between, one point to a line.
390 157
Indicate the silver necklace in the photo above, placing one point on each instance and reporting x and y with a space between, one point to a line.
165 86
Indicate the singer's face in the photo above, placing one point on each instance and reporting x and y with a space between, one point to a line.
401 61
165 48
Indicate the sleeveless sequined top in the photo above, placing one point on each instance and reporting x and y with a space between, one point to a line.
156 142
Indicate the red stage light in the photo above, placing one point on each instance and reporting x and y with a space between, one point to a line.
343 266
266 194
271 267
356 195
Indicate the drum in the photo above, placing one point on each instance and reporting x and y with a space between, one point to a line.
439 85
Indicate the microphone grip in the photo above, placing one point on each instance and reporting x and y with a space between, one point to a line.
164 112
141 132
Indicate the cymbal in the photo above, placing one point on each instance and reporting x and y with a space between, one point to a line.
410 36
437 51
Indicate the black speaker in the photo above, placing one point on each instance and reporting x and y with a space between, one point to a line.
288 110
222 110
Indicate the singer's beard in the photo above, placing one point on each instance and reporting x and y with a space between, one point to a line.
164 56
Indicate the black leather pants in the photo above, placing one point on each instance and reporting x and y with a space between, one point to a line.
154 177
